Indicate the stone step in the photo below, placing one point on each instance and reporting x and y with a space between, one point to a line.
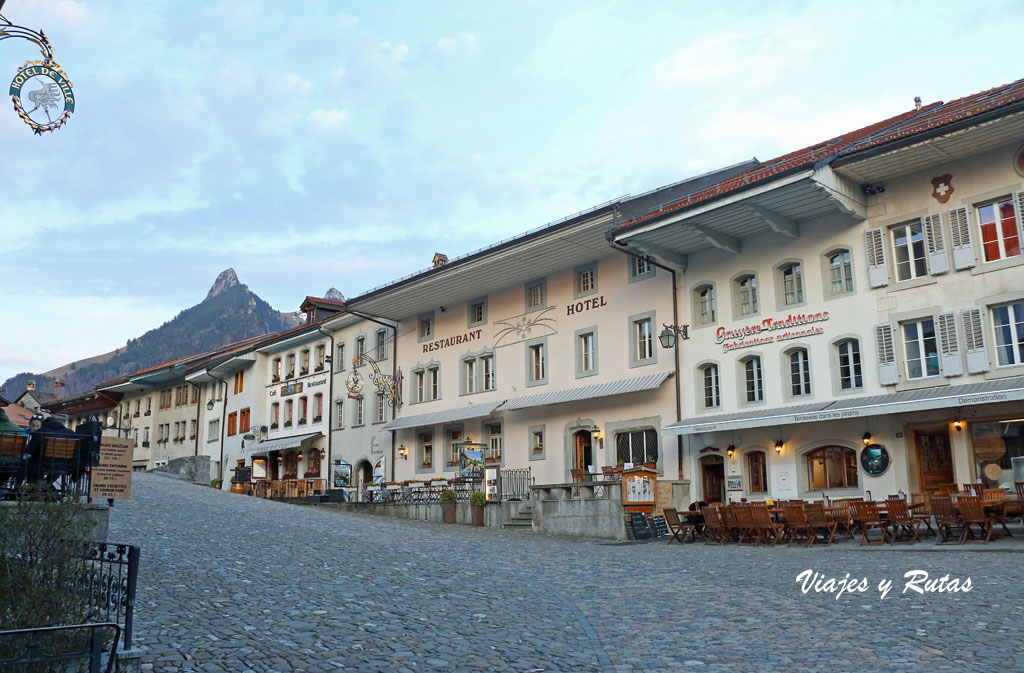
518 525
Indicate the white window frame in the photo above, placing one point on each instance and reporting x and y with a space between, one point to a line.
1000 236
1014 327
920 341
711 385
852 362
792 288
798 361
746 295
840 275
913 246
753 379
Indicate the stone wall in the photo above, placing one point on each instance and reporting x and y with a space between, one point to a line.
495 514
589 509
195 468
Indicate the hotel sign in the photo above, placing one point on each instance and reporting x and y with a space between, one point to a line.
42 95
769 330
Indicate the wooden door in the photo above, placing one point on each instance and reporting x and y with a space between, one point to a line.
584 456
713 479
934 460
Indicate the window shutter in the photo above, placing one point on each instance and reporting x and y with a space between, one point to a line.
974 341
960 237
874 242
888 373
949 346
938 260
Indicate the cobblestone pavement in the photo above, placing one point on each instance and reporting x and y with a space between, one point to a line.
233 583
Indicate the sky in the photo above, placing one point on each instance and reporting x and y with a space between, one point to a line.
322 144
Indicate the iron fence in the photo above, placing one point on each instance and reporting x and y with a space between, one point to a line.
514 484
109 582
58 647
464 487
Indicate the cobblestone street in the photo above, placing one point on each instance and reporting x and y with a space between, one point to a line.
233 583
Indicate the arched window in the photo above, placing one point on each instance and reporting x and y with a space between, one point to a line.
792 284
799 372
288 413
840 272
291 465
831 467
848 357
757 472
313 464
303 408
753 379
275 415
704 299
712 392
746 294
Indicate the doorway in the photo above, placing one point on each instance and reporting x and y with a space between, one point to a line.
712 473
934 460
364 477
584 453
273 465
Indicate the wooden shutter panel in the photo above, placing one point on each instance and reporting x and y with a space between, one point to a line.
960 237
888 372
949 346
935 241
974 341
874 243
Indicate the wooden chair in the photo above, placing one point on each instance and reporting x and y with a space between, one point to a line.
947 520
972 513
994 499
972 489
608 472
947 489
577 475
840 514
730 526
748 529
869 517
769 531
903 523
1017 507
277 489
796 525
818 524
714 524
12 447
924 512
678 529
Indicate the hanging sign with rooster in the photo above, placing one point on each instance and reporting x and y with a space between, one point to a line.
42 95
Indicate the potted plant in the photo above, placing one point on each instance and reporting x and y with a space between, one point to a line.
448 506
216 482
477 501
237 486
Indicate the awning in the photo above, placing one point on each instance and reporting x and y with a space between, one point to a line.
621 387
986 392
279 443
441 417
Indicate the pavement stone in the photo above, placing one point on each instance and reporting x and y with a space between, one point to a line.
234 583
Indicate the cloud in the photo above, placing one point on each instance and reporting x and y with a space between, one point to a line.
328 120
461 42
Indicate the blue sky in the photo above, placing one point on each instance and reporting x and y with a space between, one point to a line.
318 144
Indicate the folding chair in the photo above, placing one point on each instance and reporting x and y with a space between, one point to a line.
678 529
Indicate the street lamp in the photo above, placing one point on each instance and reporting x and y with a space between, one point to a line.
670 333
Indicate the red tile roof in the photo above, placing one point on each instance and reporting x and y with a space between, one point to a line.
18 414
323 300
948 113
807 156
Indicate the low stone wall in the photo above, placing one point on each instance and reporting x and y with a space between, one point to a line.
589 509
99 513
195 468
495 513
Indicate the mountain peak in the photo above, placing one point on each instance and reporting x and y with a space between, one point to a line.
227 278
334 294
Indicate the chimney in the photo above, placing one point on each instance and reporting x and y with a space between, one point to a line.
917 102
57 385
440 259
30 385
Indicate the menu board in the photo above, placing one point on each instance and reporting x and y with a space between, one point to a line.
112 477
639 488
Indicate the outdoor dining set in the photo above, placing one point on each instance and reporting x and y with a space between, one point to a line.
969 514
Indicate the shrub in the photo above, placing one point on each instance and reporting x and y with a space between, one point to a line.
477 498
448 496
216 482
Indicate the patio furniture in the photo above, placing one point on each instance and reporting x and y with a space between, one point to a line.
869 517
730 526
768 530
903 523
678 529
818 524
994 500
714 525
947 520
924 512
947 489
972 513
797 526
609 472
839 512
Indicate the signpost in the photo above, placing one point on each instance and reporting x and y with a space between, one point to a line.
41 91
112 478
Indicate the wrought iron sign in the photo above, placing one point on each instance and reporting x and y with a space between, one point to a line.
41 91
391 386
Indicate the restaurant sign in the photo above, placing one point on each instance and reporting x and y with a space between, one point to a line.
112 477
42 95
291 389
769 330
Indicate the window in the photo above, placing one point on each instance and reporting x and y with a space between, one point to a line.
192 426
303 408
487 370
641 340
799 372
275 415
746 294
1000 237
426 442
757 472
239 381
381 408
584 280
288 409
840 272
477 312
848 354
358 420
640 269
712 392
213 432
536 295
291 465
704 298
469 376
921 349
536 364
454 452
232 424
341 357
318 407
792 284
753 380
145 434
638 446
493 451
243 420
1008 323
137 403
304 362
149 405
831 467
381 345
195 394
313 463
276 371
586 352
361 345
339 413
321 356
908 244
536 441
425 327
291 366
426 384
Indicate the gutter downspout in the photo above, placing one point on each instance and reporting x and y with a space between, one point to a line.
223 416
330 407
394 371
614 245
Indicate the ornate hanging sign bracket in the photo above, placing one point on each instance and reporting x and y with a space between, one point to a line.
41 91
391 386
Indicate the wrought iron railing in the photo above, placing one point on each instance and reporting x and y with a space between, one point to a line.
425 494
109 582
514 484
56 648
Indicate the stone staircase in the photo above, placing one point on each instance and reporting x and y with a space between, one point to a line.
522 519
